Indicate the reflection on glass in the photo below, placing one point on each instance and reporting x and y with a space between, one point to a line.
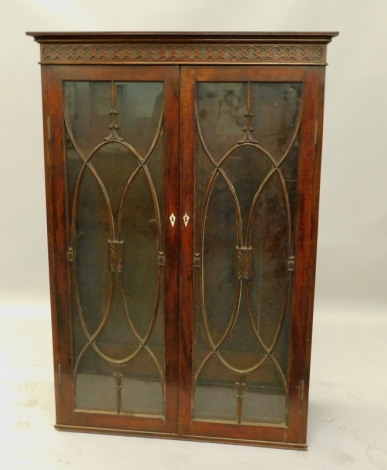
87 108
278 106
270 238
115 198
142 389
246 169
221 107
219 280
139 106
263 398
215 397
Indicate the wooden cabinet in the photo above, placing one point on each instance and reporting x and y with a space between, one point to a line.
182 175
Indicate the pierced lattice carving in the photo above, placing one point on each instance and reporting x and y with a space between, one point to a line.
123 53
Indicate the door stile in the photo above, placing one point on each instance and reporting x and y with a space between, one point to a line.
57 240
172 188
187 139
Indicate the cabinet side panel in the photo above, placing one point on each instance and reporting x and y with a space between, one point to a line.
57 237
308 189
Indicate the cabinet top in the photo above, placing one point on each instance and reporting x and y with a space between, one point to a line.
196 36
183 47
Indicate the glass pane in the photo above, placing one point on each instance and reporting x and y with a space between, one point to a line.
277 107
221 107
264 395
139 106
94 383
246 167
113 162
246 171
140 228
87 108
115 201
91 232
215 399
142 386
220 286
267 289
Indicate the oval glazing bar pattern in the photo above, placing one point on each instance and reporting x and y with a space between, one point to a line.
114 147
246 172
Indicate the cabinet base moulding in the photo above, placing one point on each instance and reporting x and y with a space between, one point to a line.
213 439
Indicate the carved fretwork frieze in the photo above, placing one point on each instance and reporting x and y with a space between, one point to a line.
116 255
67 53
243 262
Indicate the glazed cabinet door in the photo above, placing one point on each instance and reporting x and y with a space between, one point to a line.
112 174
250 159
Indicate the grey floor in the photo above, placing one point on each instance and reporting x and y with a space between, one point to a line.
347 416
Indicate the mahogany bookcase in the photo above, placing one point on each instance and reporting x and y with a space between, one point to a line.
182 179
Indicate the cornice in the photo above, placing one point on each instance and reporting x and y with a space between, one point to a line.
183 48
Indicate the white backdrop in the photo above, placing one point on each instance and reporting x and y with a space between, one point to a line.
352 254
348 387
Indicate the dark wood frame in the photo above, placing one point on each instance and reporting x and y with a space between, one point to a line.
305 239
204 56
53 78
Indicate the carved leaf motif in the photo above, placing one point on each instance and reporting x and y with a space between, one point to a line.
243 262
116 255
